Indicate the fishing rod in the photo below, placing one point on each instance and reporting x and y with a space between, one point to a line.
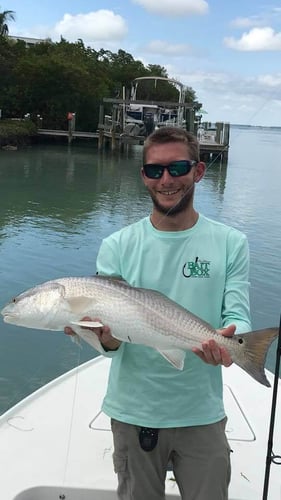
270 457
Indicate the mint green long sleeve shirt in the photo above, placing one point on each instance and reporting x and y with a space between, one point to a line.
204 269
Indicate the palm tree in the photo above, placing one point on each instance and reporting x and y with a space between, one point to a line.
5 17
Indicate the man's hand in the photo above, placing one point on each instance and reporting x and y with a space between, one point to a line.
102 332
212 353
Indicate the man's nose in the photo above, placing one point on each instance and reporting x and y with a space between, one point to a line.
166 177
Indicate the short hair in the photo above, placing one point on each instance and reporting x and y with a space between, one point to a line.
165 135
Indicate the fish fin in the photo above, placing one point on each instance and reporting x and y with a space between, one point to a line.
87 324
255 347
79 305
174 356
76 339
115 278
89 336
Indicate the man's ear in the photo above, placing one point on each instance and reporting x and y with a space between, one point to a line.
200 170
143 175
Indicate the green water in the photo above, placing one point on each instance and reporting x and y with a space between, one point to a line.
57 203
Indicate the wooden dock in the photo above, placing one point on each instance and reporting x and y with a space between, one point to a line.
65 133
129 120
209 147
214 141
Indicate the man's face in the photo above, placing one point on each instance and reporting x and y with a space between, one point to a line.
170 195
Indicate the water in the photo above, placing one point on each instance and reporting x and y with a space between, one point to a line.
58 203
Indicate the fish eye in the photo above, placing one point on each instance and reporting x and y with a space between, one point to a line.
14 300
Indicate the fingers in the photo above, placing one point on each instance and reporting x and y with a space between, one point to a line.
213 354
103 333
69 331
228 331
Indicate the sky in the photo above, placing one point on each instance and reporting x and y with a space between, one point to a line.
228 51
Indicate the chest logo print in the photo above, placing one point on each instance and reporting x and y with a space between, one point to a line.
196 269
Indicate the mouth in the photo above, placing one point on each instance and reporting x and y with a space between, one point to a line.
8 318
7 314
169 193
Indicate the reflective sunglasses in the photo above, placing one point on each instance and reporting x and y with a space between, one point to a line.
175 168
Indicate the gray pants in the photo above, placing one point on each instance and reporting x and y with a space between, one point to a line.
200 458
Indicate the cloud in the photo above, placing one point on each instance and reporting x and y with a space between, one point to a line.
174 7
246 22
268 17
229 87
232 97
271 81
102 25
160 47
257 39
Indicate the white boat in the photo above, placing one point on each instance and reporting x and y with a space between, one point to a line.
141 118
57 444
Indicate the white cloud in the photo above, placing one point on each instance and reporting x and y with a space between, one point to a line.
257 39
245 22
231 89
174 7
210 80
102 25
267 17
161 47
270 81
254 100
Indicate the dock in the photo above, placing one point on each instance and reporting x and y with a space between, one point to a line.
214 141
65 133
128 120
211 147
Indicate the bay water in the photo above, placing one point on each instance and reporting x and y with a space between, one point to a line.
59 202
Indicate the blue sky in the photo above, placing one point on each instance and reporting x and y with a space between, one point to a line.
229 52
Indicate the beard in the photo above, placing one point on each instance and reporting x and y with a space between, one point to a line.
179 207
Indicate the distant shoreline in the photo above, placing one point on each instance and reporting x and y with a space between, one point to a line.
272 127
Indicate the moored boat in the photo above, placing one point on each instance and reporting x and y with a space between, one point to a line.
142 117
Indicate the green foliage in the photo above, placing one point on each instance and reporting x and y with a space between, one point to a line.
52 79
16 132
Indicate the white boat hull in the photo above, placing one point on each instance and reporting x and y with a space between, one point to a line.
56 444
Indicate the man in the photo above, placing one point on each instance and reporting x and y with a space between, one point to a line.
159 414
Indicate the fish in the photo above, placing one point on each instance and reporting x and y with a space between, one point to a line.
134 315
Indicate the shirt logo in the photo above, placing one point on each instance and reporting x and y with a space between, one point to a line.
196 269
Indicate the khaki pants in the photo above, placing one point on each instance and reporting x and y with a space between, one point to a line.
200 457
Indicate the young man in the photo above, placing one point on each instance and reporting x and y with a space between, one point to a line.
159 414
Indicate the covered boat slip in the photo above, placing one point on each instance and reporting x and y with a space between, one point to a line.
56 444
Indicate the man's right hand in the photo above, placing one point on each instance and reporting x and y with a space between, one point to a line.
103 333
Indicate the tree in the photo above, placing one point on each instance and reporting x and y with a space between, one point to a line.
157 70
5 17
51 79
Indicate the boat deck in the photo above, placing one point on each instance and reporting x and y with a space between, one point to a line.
58 445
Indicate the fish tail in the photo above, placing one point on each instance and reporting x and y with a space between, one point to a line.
255 348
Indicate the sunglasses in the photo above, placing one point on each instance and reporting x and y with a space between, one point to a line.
175 168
